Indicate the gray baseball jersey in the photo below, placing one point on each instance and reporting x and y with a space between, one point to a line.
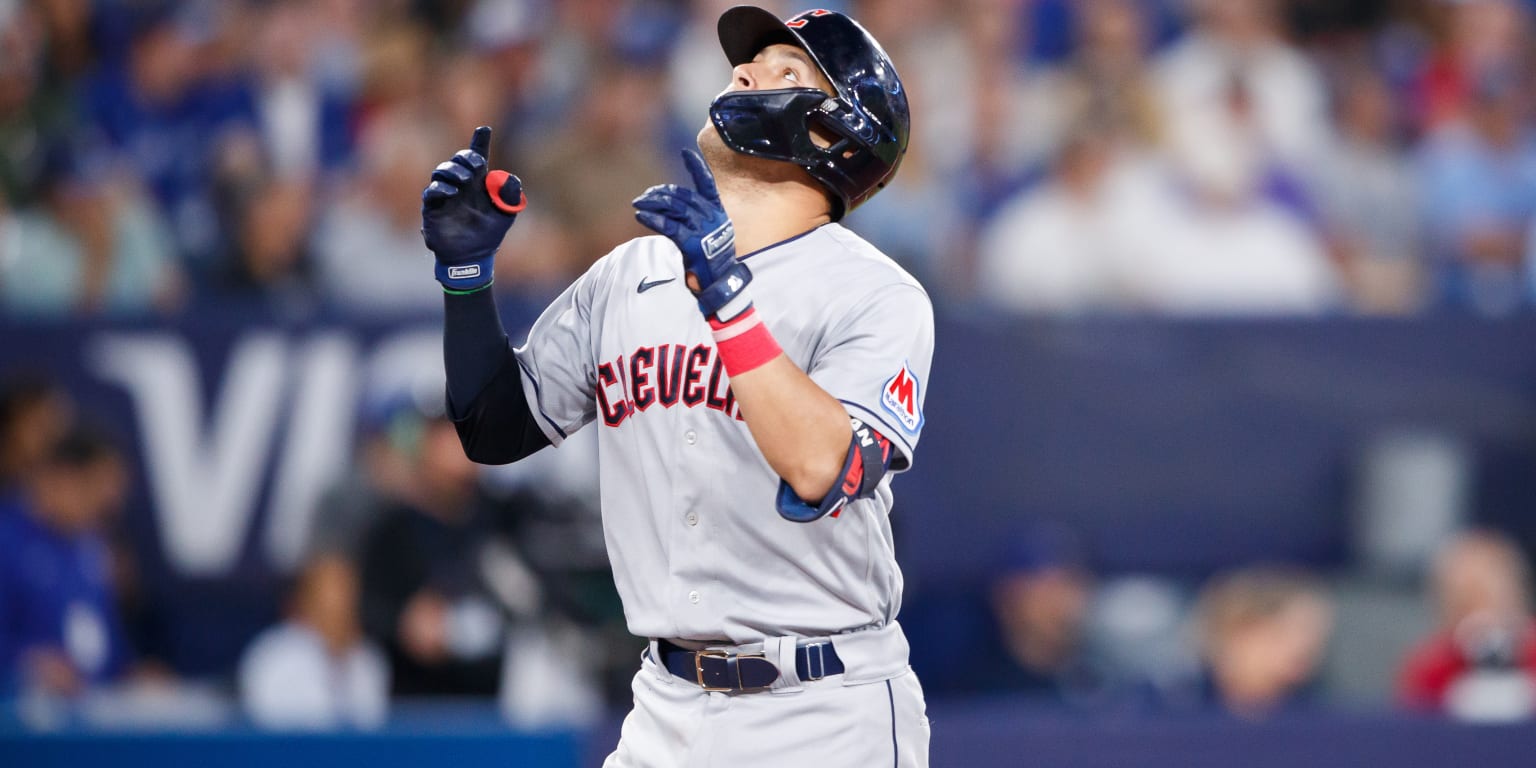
697 548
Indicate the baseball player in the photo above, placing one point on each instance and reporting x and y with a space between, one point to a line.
758 374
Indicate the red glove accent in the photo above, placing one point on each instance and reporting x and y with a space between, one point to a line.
493 184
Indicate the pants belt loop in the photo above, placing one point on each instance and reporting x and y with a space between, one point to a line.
782 651
660 671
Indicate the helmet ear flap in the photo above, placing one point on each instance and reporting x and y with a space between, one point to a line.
830 134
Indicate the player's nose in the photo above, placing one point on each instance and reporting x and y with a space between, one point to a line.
743 78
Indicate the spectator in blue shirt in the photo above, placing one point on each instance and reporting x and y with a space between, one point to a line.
1039 600
1479 177
59 629
175 120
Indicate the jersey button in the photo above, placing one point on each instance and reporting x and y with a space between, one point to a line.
693 597
692 518
691 437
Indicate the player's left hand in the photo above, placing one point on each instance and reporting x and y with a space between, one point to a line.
695 220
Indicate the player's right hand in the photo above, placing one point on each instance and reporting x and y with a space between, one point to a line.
696 221
466 210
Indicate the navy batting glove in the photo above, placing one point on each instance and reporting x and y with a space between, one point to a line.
695 220
465 212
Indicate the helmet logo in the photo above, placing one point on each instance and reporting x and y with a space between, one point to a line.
799 21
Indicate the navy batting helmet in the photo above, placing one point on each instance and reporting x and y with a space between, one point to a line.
867 117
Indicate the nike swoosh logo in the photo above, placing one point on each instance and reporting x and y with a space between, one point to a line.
646 285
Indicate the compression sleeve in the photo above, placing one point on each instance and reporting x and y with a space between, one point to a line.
485 390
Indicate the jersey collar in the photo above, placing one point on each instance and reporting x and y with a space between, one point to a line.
785 241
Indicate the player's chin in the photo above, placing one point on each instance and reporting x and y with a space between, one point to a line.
727 162
712 147
723 161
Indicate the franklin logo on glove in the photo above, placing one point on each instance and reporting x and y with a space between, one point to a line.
719 240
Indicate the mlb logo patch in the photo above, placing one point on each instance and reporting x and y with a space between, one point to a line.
464 270
900 397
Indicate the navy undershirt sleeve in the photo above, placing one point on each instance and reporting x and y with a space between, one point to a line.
485 385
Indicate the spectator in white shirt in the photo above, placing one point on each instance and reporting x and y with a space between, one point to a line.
1078 241
316 671
1244 40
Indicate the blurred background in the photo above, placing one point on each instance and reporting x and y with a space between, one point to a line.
1231 443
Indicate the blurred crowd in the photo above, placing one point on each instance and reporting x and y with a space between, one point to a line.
425 577
421 578
1178 156
1251 642
1172 156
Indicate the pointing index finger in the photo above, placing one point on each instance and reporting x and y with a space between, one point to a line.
703 180
481 142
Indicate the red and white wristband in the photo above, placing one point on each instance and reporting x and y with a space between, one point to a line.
744 342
